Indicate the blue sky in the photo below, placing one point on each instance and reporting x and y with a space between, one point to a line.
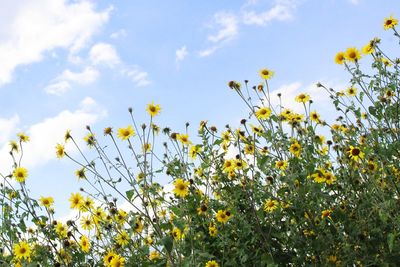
66 64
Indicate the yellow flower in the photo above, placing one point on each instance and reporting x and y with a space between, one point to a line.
281 164
76 200
181 188
329 178
117 261
319 176
60 151
46 201
67 135
351 91
326 214
153 109
81 173
61 230
108 258
23 137
266 74
229 165
212 264
176 233
183 138
14 146
368 49
87 223
138 225
386 62
125 133
22 250
249 149
302 98
223 216
87 204
352 54
295 149
314 116
154 255
270 205
84 243
20 174
355 153
263 113
389 23
212 230
90 139
339 58
194 150
122 239
146 147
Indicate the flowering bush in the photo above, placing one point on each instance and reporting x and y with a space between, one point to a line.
274 191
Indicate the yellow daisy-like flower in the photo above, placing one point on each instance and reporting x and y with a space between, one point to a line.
302 98
154 255
249 149
314 116
351 91
81 173
212 230
329 178
61 230
67 135
23 137
46 201
87 205
386 62
319 176
389 23
223 216
138 225
176 233
125 133
326 214
76 200
263 113
368 49
122 239
340 58
181 188
85 244
212 264
22 250
20 174
295 149
270 205
146 147
153 109
194 151
266 74
355 153
117 261
352 54
229 165
183 138
281 164
14 146
87 222
108 258
60 151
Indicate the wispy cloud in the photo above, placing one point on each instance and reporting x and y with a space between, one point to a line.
138 77
104 54
37 27
181 53
282 10
119 34
227 29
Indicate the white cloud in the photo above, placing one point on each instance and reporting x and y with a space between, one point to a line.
181 53
282 10
87 76
7 127
58 87
119 34
46 134
104 54
62 83
139 77
228 29
355 2
35 28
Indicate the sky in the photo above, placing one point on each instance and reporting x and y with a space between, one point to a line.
68 64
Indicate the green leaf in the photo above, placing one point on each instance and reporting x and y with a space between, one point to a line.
130 193
168 243
390 239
